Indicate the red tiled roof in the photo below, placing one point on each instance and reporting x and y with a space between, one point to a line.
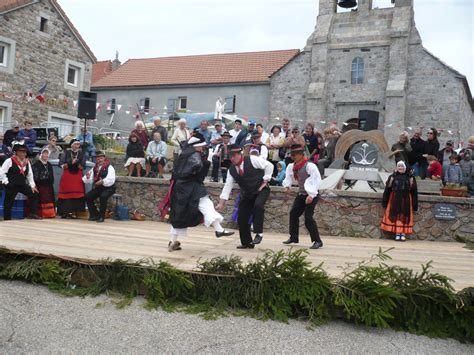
101 69
249 67
10 5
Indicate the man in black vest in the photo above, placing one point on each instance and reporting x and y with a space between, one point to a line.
252 173
103 178
306 175
17 176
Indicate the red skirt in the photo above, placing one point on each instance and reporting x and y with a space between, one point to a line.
396 226
71 185
46 207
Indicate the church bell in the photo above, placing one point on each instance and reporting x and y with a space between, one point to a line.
347 4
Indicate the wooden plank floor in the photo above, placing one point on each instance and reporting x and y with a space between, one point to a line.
132 240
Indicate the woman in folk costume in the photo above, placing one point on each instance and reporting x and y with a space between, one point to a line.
44 180
190 202
71 188
400 200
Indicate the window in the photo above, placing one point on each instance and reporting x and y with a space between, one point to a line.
182 103
72 75
5 115
229 104
65 124
43 24
357 71
2 118
382 4
3 55
145 105
171 105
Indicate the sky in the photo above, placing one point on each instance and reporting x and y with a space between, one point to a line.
158 28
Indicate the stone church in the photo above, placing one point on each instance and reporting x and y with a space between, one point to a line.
368 68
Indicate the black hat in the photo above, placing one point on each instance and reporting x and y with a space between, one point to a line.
255 133
99 153
18 146
234 148
74 141
197 140
296 148
226 134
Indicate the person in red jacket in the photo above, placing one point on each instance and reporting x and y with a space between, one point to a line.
435 169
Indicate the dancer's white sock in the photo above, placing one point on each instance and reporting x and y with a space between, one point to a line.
217 226
174 238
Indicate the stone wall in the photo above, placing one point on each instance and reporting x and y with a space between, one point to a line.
40 57
339 213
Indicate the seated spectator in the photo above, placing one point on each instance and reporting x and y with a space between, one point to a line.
435 170
141 133
55 150
453 174
470 145
222 156
135 155
204 130
180 135
160 129
3 150
156 157
87 143
256 143
402 148
28 134
11 135
281 174
467 169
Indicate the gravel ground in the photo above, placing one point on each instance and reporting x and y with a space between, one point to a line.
34 320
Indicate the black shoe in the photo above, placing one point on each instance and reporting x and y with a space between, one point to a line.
224 233
316 245
93 218
258 239
34 216
247 246
100 220
289 241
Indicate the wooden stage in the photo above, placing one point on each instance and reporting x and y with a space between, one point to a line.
132 240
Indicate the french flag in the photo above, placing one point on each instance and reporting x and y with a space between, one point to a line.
41 92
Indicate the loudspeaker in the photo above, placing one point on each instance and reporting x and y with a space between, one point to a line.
368 120
86 106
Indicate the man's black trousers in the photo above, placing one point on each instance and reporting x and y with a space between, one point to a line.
103 194
300 207
252 205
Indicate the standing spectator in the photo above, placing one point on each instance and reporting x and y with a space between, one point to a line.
245 137
4 151
435 170
160 129
400 200
11 135
275 141
402 148
216 140
55 151
141 133
470 145
262 132
44 180
467 168
71 188
285 129
431 144
156 156
295 138
135 155
28 134
223 158
236 131
415 157
445 153
204 130
180 135
453 173
328 150
311 142
87 143
320 145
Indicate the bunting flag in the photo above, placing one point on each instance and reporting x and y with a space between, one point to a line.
41 92
119 107
74 103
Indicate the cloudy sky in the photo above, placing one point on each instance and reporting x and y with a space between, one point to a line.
156 28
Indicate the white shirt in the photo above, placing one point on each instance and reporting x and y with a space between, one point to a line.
234 135
257 163
108 181
311 185
7 165
265 137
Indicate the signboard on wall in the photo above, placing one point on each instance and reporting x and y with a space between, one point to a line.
444 211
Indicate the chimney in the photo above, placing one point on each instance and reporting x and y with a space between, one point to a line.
116 62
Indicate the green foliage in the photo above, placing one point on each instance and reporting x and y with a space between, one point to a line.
278 285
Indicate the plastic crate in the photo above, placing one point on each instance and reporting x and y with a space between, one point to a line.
18 210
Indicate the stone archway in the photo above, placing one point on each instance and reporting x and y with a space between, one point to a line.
353 136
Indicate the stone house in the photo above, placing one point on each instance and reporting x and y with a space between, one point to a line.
190 83
44 63
368 67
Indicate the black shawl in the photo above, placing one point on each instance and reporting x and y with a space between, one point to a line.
399 187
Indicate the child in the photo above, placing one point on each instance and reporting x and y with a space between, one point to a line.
281 174
435 170
453 173
467 169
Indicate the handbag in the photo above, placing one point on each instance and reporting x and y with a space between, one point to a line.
137 216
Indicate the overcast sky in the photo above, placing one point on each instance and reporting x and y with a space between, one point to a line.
156 28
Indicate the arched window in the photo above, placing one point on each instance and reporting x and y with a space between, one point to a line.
357 71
